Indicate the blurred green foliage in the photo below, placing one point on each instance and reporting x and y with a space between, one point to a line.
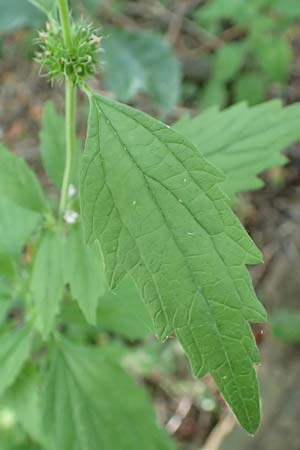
253 50
285 325
247 45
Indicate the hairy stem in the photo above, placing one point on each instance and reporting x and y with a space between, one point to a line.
70 109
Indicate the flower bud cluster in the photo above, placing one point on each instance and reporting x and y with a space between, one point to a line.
75 63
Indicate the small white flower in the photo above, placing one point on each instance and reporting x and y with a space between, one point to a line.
71 217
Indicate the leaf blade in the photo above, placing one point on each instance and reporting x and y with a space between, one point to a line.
18 182
143 209
17 225
243 141
47 282
14 350
84 272
95 396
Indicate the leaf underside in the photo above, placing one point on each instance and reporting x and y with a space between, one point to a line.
155 205
243 141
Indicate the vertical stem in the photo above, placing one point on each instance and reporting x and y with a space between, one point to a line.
70 108
70 113
65 22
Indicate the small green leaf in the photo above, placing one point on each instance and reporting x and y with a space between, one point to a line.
84 273
151 67
123 312
250 87
17 225
18 183
47 283
228 61
155 205
275 57
14 351
90 403
243 141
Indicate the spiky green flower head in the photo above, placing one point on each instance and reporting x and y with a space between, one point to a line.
75 63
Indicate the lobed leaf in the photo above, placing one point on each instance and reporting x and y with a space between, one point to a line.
86 396
155 205
243 141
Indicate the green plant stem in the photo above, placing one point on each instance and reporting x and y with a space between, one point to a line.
70 109
65 22
71 95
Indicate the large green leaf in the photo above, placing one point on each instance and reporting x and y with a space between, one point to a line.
123 312
155 205
244 141
14 350
151 67
47 283
53 146
90 403
18 183
84 273
17 225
